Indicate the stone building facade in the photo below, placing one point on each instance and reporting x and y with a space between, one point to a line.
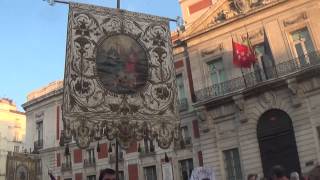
236 121
12 132
252 119
23 166
143 160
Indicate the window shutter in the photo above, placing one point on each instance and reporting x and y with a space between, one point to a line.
78 176
77 155
58 123
196 132
133 172
58 160
103 151
133 148
200 157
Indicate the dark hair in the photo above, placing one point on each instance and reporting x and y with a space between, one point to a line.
252 175
106 171
278 171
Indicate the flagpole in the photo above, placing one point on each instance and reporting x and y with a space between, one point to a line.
244 79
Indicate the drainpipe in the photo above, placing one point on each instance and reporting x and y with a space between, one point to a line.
189 73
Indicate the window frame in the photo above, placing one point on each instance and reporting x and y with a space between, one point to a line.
91 155
92 176
226 172
38 123
180 167
297 27
153 167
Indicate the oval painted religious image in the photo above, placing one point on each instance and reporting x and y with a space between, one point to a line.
122 65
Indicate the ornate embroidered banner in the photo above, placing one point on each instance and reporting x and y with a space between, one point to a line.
119 77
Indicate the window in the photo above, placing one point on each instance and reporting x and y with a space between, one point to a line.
90 155
183 103
264 66
318 131
302 44
216 71
40 130
150 173
39 166
121 175
185 135
186 167
92 177
148 145
16 148
232 164
180 85
67 160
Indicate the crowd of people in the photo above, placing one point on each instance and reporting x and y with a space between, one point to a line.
279 173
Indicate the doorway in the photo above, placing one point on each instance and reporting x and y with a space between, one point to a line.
277 142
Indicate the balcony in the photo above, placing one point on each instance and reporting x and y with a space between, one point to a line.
38 144
87 163
66 167
112 157
311 61
145 152
184 143
183 104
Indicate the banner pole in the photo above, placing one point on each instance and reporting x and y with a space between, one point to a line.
244 79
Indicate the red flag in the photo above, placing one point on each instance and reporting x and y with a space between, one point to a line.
242 55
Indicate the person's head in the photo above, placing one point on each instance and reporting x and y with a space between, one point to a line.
252 177
278 173
107 174
294 176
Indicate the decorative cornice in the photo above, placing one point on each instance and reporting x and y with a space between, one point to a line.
293 20
216 49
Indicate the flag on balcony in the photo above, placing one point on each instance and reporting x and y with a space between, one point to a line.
243 56
247 41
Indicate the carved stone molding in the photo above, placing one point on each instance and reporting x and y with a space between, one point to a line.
267 99
217 49
296 92
202 113
293 20
253 35
240 105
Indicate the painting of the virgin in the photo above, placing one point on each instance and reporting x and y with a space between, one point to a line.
122 65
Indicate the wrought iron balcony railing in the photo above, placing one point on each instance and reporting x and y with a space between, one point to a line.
252 79
66 167
38 144
89 163
183 143
147 152
183 104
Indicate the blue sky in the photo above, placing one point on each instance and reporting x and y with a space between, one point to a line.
33 40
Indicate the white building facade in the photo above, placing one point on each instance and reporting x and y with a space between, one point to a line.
143 160
236 121
12 132
255 118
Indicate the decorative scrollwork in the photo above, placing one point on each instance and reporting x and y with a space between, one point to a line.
119 77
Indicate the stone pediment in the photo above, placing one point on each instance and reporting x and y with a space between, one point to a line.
223 11
220 11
